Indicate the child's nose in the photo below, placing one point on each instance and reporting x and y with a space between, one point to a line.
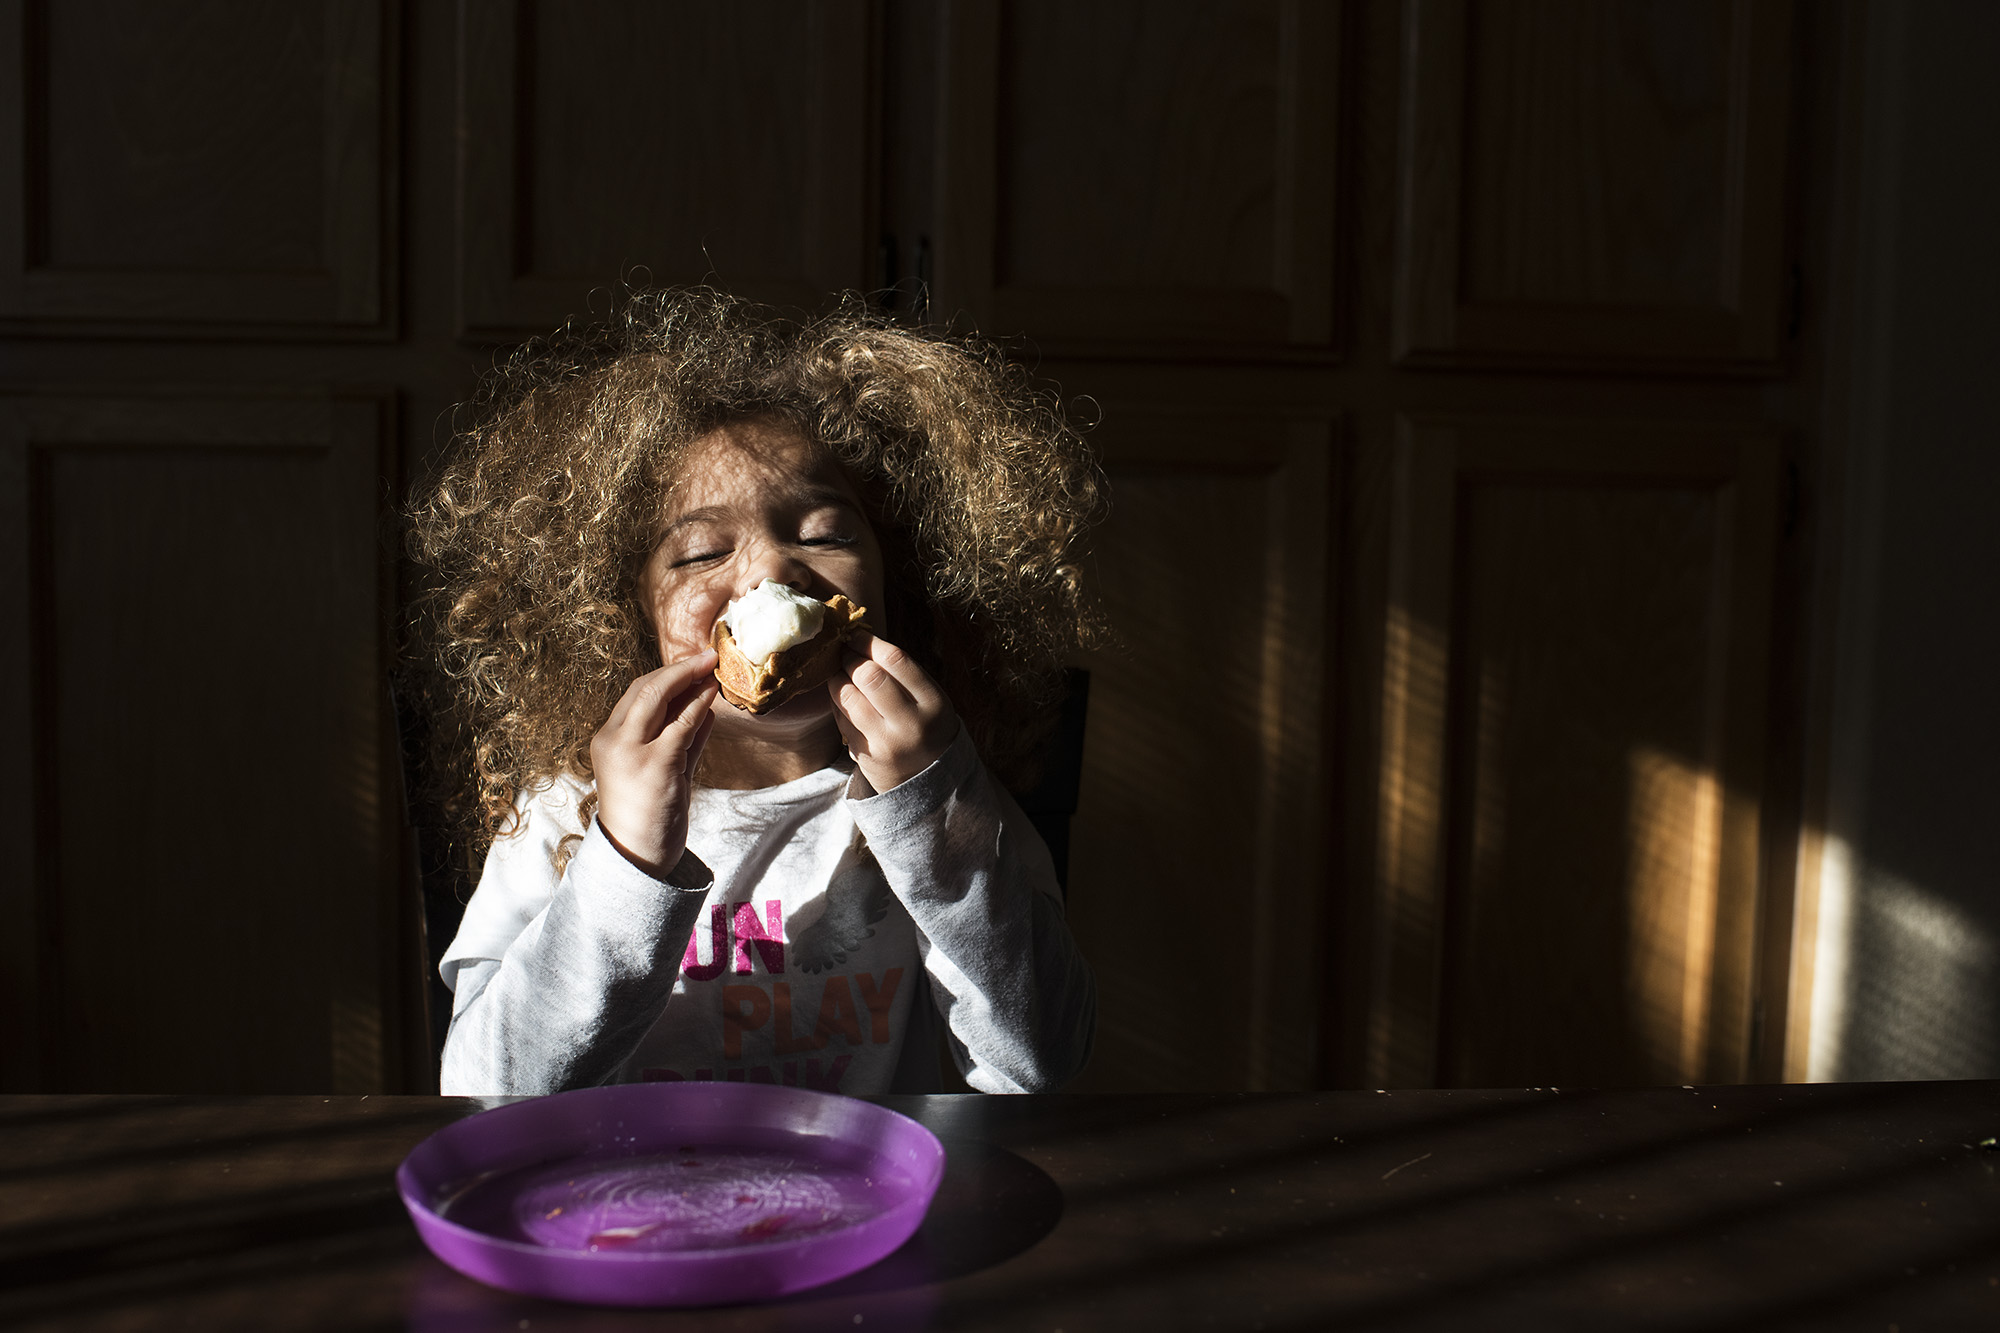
780 567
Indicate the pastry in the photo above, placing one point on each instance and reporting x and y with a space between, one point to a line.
773 643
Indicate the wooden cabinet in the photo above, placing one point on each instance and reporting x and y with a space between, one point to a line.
1196 853
1155 179
1559 869
1525 842
603 142
167 171
203 832
201 577
1572 754
1592 184
1445 358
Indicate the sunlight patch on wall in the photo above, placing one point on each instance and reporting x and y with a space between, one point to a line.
1920 986
1404 996
1830 960
1903 980
1672 825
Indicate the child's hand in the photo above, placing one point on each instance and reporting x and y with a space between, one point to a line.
644 756
893 717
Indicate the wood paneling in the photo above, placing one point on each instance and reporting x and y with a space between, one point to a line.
1137 176
678 143
1572 755
1592 183
194 779
197 170
1196 863
1573 208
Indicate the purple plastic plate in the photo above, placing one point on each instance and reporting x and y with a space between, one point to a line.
671 1193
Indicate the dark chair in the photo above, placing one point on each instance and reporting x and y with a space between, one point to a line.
444 882
1050 803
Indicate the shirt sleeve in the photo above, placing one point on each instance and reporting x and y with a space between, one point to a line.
556 981
1019 1003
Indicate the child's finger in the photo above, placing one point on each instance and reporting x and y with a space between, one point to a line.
853 704
899 666
888 696
655 697
647 693
689 714
850 736
699 739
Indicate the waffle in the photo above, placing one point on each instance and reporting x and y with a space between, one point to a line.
759 687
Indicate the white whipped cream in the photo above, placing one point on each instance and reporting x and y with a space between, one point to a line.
771 618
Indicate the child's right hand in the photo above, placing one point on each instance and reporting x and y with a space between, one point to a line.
644 756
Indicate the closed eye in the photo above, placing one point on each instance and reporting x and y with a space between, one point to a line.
826 541
698 559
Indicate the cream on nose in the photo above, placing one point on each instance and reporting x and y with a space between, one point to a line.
779 566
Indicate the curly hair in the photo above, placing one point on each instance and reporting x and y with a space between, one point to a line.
535 526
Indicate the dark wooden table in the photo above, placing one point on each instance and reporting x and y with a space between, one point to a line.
1864 1206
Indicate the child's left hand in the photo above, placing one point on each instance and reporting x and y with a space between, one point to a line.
894 719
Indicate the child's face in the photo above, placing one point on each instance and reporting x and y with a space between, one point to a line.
757 501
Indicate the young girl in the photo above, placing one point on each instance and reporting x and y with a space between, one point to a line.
675 888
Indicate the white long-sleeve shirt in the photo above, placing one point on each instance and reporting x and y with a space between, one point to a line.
813 934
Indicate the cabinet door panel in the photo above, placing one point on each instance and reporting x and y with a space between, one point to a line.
1592 183
1149 175
197 783
197 170
591 157
1196 865
1573 754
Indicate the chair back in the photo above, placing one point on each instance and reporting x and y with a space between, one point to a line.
443 884
1050 803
